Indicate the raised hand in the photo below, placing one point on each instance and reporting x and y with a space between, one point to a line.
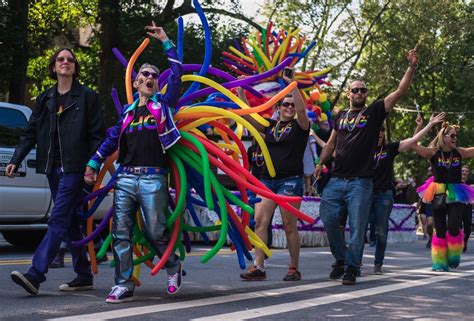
156 32
437 119
412 56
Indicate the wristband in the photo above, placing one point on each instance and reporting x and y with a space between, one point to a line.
415 67
167 45
93 164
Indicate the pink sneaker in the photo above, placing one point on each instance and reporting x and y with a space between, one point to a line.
174 281
119 294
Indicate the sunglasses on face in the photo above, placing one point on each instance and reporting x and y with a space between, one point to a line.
356 90
288 104
68 59
453 136
147 74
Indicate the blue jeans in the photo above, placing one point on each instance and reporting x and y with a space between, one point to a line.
64 224
290 186
353 196
382 204
150 194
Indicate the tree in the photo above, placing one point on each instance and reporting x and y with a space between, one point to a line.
16 42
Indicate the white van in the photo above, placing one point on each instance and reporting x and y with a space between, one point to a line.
25 201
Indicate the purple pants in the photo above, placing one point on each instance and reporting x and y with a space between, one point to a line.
64 224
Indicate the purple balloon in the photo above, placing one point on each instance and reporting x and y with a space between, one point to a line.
238 66
115 98
213 71
122 60
237 83
96 232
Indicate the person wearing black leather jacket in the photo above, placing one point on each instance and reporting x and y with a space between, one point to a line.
67 127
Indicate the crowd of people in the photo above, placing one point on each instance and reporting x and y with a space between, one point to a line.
352 166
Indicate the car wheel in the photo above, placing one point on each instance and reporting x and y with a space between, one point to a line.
29 239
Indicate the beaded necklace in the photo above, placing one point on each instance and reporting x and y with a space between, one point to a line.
278 132
357 119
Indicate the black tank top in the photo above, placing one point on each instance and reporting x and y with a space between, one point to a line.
447 166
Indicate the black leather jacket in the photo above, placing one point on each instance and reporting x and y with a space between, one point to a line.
81 130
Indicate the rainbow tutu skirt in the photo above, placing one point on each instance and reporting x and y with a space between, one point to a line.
461 192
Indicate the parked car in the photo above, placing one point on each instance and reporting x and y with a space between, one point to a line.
25 201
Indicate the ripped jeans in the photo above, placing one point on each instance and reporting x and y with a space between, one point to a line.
290 186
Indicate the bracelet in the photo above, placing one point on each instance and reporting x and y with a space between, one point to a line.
413 66
167 45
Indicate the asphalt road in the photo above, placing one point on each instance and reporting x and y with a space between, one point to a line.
213 291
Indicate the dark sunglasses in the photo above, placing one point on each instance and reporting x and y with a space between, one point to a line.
356 90
69 59
453 136
288 104
147 74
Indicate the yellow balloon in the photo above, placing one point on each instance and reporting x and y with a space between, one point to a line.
323 97
257 242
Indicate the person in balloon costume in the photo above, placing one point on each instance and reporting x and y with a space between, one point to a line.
142 136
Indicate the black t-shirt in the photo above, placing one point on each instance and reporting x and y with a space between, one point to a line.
256 160
447 166
324 135
286 142
383 163
60 105
142 141
357 135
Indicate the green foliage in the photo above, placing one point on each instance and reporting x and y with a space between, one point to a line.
443 30
369 40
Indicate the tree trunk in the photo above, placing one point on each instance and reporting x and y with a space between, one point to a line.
109 18
18 22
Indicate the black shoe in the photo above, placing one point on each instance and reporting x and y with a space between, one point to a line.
26 281
76 285
337 271
254 274
350 276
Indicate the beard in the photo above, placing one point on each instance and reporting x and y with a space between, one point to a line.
358 104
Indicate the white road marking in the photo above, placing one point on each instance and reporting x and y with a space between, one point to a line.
309 303
136 311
